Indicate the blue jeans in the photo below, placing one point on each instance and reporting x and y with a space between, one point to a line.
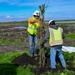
53 51
32 41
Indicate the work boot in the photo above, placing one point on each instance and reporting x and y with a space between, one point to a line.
53 70
64 67
31 55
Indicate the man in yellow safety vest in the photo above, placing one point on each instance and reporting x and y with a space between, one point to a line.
33 25
55 35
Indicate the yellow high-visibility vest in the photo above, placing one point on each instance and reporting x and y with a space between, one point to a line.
33 28
55 36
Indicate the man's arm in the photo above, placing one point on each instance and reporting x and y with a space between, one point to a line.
46 37
31 21
63 35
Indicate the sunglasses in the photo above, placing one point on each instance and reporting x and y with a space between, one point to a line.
36 16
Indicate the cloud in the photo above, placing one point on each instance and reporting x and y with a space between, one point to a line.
6 17
21 16
61 8
11 18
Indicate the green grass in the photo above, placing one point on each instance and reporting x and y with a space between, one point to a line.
18 41
6 42
7 68
8 57
14 23
9 42
25 71
70 36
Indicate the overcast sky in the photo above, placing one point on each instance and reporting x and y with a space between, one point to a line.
20 10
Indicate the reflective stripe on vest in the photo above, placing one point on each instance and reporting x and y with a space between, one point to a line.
32 28
55 36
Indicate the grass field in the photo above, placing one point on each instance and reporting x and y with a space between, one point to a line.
8 68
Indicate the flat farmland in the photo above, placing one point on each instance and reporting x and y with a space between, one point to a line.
14 54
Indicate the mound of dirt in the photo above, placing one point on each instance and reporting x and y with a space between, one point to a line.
24 59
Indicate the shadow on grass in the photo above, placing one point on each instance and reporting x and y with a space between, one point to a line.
8 69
